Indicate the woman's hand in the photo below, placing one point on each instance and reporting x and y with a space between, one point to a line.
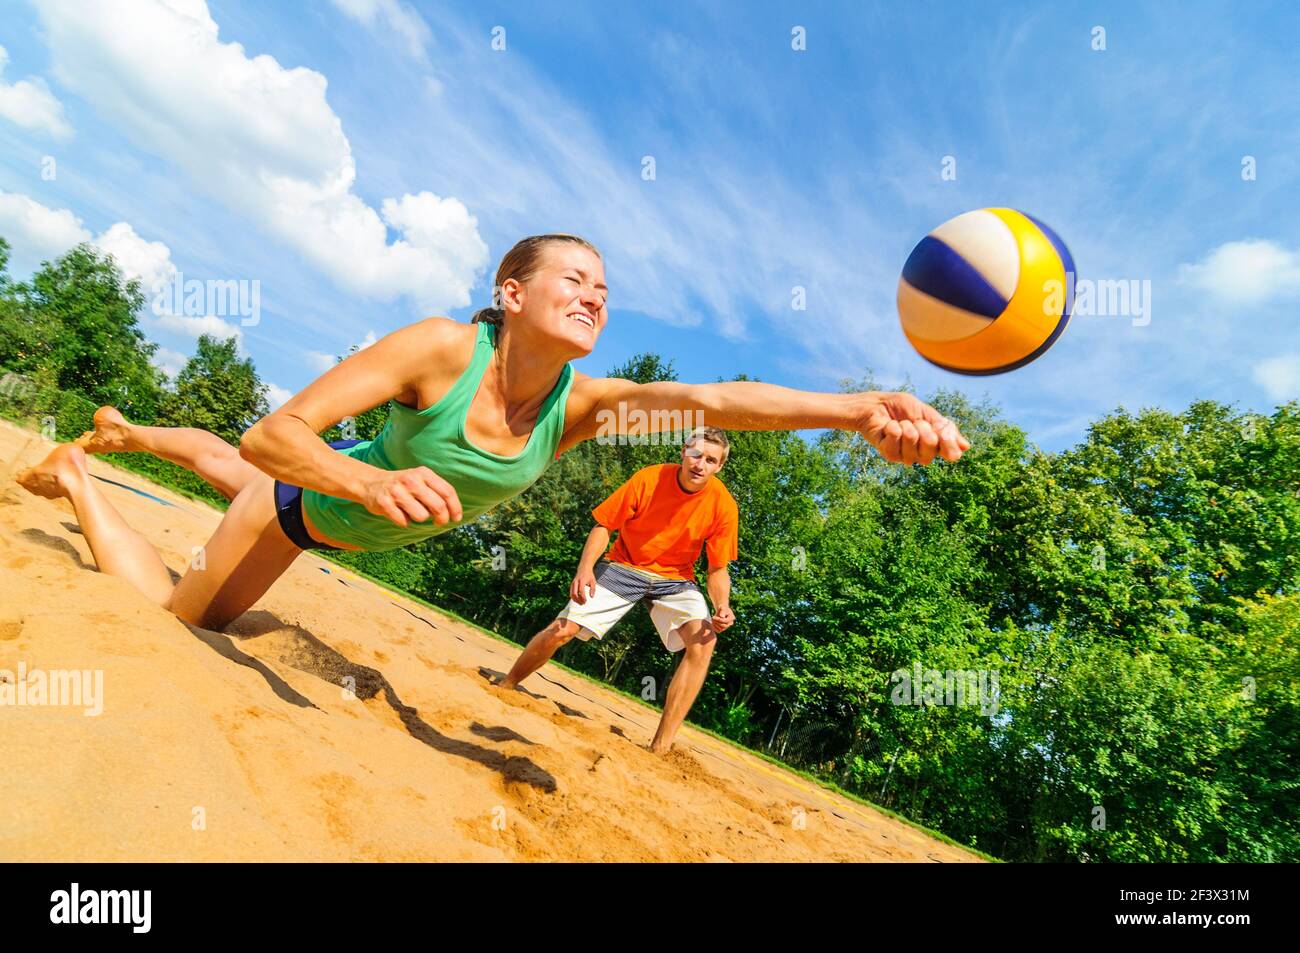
906 430
584 580
411 496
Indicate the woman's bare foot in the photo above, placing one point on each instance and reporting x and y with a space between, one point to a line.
52 477
112 433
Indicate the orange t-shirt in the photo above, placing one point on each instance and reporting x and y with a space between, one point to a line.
661 528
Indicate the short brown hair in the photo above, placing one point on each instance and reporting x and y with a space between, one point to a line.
522 262
712 435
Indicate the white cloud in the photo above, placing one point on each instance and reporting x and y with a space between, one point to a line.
262 139
171 362
1246 272
36 231
151 262
718 235
195 325
318 361
396 16
276 395
30 104
1279 376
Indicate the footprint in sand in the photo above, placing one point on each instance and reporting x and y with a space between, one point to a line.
11 627
515 696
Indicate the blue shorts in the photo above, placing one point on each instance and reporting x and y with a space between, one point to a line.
288 509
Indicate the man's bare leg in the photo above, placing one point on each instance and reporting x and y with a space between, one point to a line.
206 454
539 651
687 681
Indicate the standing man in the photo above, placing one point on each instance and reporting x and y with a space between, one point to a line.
664 514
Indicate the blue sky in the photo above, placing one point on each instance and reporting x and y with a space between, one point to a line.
369 161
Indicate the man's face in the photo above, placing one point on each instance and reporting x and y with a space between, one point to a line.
700 461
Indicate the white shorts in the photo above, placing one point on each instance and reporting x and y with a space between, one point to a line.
604 608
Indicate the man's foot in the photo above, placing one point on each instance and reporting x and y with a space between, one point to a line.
657 747
495 678
52 477
505 684
112 433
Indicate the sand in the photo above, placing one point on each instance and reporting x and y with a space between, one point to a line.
337 720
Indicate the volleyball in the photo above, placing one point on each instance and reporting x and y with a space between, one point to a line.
986 292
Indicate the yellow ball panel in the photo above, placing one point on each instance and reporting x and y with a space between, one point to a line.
1024 325
926 318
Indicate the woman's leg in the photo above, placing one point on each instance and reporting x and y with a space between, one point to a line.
244 557
118 549
206 454
246 554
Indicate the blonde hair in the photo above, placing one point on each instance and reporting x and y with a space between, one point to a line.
712 435
522 262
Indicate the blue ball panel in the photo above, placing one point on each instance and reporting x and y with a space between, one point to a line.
940 272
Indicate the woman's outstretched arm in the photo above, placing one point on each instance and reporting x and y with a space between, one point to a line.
286 445
902 428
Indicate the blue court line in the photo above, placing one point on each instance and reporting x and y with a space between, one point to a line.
156 499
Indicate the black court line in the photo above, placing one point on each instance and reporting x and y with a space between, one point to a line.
398 604
552 681
421 618
424 620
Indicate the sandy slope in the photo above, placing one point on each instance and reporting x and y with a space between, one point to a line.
247 745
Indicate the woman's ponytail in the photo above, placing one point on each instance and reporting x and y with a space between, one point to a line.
494 316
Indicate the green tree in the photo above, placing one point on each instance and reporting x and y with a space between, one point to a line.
22 346
365 425
78 317
216 391
1260 766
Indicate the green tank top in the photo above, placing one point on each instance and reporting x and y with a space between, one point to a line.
435 438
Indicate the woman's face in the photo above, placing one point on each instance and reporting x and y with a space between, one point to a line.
566 296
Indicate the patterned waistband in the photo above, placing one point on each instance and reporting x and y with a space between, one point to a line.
632 585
